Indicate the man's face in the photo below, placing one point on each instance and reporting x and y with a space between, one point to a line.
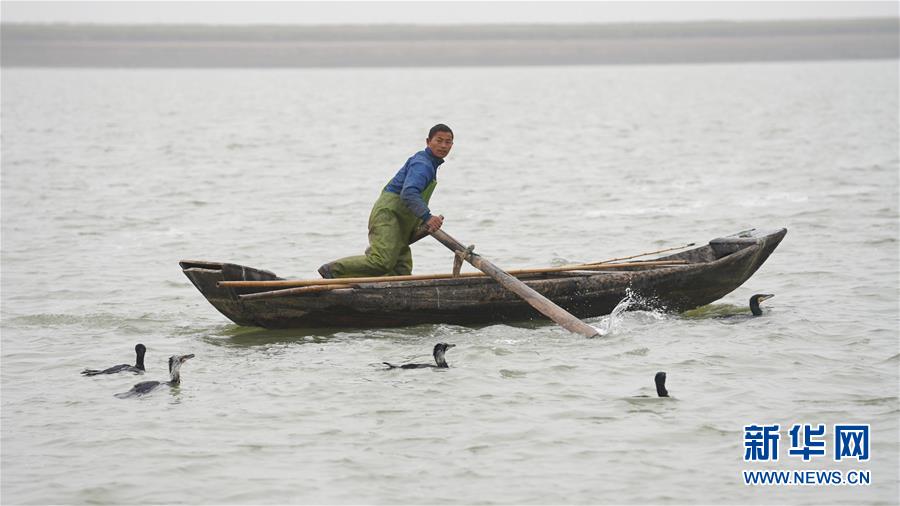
440 144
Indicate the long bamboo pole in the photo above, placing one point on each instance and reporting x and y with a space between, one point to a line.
598 266
643 254
292 283
528 294
326 285
292 291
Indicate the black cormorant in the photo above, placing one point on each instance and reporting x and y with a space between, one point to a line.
756 299
660 380
146 387
439 350
137 368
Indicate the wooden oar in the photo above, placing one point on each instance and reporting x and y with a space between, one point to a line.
536 300
292 283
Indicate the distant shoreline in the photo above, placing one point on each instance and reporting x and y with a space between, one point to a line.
284 46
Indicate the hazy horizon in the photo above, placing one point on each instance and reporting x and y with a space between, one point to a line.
430 12
189 46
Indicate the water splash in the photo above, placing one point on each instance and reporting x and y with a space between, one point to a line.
609 323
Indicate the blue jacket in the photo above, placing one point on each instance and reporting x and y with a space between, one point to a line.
412 179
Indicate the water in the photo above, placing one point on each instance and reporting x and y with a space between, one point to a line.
611 322
112 176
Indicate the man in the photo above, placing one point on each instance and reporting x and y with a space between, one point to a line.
398 213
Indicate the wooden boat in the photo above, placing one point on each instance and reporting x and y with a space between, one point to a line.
708 273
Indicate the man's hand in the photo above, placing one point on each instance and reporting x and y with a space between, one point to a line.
434 223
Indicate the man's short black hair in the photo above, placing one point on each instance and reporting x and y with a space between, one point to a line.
440 127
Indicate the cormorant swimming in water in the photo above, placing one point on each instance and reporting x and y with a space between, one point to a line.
137 368
146 387
660 380
439 350
756 299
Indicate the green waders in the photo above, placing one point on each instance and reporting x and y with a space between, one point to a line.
391 229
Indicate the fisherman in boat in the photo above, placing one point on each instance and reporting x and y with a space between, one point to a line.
398 213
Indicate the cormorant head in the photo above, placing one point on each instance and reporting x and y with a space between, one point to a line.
439 350
140 349
660 380
756 299
175 362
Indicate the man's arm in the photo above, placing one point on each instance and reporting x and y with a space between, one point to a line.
418 176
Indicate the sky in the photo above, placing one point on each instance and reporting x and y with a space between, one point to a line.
429 12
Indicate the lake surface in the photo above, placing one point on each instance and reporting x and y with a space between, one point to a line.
110 177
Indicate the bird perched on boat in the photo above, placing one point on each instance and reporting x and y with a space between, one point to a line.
145 387
439 350
756 299
660 380
137 368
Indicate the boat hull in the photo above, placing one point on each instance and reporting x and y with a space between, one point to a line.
712 271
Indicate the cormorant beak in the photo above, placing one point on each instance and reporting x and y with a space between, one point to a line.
766 296
184 358
451 346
